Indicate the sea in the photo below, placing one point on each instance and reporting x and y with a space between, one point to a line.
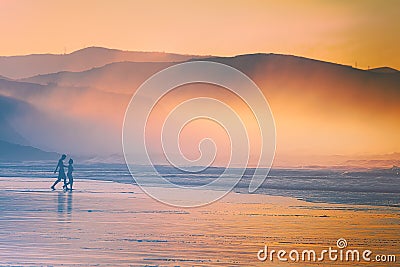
377 187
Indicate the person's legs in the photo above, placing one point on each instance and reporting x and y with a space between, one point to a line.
65 183
55 183
70 181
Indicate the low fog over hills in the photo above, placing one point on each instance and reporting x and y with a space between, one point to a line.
324 112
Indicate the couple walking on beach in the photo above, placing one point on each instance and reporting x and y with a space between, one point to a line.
61 173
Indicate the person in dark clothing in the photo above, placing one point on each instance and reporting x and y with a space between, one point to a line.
61 173
69 173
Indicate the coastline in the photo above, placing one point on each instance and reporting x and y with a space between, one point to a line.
109 223
366 188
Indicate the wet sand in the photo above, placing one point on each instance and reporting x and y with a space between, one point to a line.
110 224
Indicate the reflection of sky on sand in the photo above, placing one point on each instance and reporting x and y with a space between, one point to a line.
117 224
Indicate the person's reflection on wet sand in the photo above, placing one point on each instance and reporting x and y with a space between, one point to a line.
64 203
61 202
69 203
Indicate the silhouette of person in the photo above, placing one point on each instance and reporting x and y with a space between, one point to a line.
69 173
61 173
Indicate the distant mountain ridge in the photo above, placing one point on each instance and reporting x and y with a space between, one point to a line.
15 152
17 67
126 76
81 112
25 66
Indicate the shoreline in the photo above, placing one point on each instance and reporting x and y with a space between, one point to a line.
108 223
370 188
395 208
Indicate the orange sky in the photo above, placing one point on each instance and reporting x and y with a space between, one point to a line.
345 32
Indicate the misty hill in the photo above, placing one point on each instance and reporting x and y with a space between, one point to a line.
15 152
270 70
319 107
120 77
384 70
6 84
10 109
4 78
17 67
49 117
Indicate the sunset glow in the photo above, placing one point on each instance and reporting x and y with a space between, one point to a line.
361 33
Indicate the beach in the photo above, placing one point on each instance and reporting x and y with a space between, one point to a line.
103 223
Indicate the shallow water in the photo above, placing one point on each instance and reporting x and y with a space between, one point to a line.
374 187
